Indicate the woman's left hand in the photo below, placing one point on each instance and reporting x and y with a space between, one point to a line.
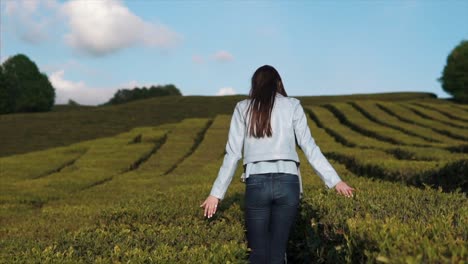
344 189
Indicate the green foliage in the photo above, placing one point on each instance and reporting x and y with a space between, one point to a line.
23 133
454 77
72 102
127 95
452 113
327 228
383 221
23 87
6 94
425 118
439 117
135 198
87 164
379 145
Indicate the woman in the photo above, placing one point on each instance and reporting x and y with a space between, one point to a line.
266 126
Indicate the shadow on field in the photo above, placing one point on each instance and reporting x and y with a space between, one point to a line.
229 200
311 241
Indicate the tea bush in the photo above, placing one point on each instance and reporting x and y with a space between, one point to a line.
135 197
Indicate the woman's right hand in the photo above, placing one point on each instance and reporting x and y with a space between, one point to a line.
210 204
344 189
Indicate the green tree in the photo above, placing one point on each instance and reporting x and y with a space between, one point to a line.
27 89
127 95
454 77
7 94
72 102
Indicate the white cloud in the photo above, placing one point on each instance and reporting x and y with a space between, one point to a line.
75 66
95 27
223 55
133 83
101 27
226 91
84 94
3 59
78 91
31 20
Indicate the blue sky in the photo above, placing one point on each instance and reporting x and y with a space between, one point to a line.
91 48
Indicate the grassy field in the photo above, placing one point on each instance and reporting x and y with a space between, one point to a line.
123 184
24 132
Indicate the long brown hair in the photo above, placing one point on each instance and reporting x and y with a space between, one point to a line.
266 82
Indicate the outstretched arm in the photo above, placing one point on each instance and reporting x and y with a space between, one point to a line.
226 172
319 163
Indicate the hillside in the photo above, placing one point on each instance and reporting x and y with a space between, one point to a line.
135 196
24 132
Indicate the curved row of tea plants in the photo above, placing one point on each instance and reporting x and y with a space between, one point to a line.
376 114
408 116
449 110
354 119
152 213
386 222
432 114
352 138
437 168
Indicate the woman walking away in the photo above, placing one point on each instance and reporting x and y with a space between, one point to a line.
266 126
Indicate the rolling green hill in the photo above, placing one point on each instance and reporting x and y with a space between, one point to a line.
134 195
24 132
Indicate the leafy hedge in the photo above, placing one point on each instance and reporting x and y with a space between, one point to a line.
149 212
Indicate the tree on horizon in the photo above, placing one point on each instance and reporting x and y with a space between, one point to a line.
454 77
137 93
23 88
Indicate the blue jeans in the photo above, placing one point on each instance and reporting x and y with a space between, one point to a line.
271 205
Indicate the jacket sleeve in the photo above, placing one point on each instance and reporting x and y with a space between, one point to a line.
306 142
233 154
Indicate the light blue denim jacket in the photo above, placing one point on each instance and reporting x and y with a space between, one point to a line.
288 123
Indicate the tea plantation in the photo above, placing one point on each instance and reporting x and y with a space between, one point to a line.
133 195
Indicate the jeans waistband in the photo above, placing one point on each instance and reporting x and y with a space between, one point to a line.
271 174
